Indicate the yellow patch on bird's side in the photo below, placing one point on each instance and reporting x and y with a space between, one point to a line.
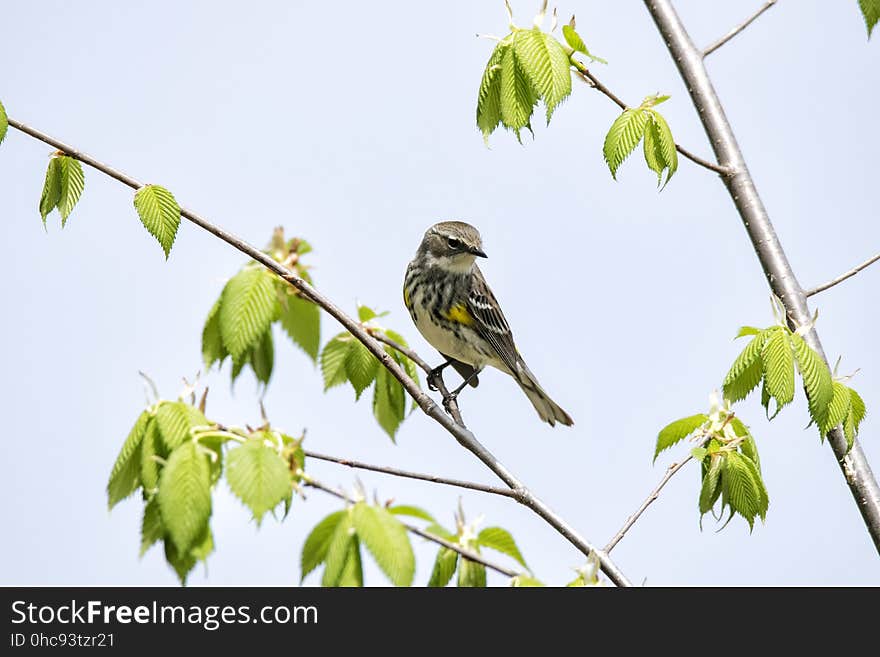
460 314
406 300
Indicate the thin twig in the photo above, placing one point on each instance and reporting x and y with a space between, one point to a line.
463 435
594 82
843 277
494 490
670 471
739 28
455 547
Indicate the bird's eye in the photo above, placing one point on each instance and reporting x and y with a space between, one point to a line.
453 243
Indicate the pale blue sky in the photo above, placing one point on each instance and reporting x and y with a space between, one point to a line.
353 126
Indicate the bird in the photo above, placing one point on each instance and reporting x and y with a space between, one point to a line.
454 309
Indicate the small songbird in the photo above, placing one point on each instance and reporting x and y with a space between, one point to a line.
456 312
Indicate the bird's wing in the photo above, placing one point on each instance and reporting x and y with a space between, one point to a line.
490 322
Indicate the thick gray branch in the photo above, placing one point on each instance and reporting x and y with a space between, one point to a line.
464 436
689 60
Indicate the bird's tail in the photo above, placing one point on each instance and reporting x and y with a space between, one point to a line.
548 410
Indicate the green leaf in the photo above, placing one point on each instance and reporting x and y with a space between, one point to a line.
302 322
573 39
338 551
389 402
525 580
258 476
315 548
72 181
744 488
159 214
500 539
125 477
746 372
365 313
548 68
4 123
518 98
624 135
711 488
870 11
151 447
181 562
175 419
353 571
213 350
747 330
185 495
838 408
778 362
333 360
263 357
471 573
489 97
444 567
699 453
859 410
51 188
387 540
442 532
660 153
816 377
151 526
412 511
248 306
676 431
360 367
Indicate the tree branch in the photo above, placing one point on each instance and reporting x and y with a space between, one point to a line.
834 281
780 276
594 82
463 435
506 492
739 28
455 547
670 471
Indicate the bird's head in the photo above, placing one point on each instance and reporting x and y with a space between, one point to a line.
452 245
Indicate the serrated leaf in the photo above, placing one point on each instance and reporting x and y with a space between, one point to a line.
838 409
389 402
263 357
747 370
181 562
360 367
302 322
51 188
744 488
125 477
816 377
333 360
316 545
870 12
544 61
471 573
412 511
258 476
72 182
778 362
4 123
676 431
185 495
525 580
501 540
353 571
859 410
747 330
624 135
444 568
711 488
174 420
151 526
151 447
573 39
213 350
387 540
247 308
338 551
518 98
660 153
159 213
489 97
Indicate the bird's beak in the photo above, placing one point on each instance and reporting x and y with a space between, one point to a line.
478 252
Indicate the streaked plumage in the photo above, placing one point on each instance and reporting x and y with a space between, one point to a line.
454 309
